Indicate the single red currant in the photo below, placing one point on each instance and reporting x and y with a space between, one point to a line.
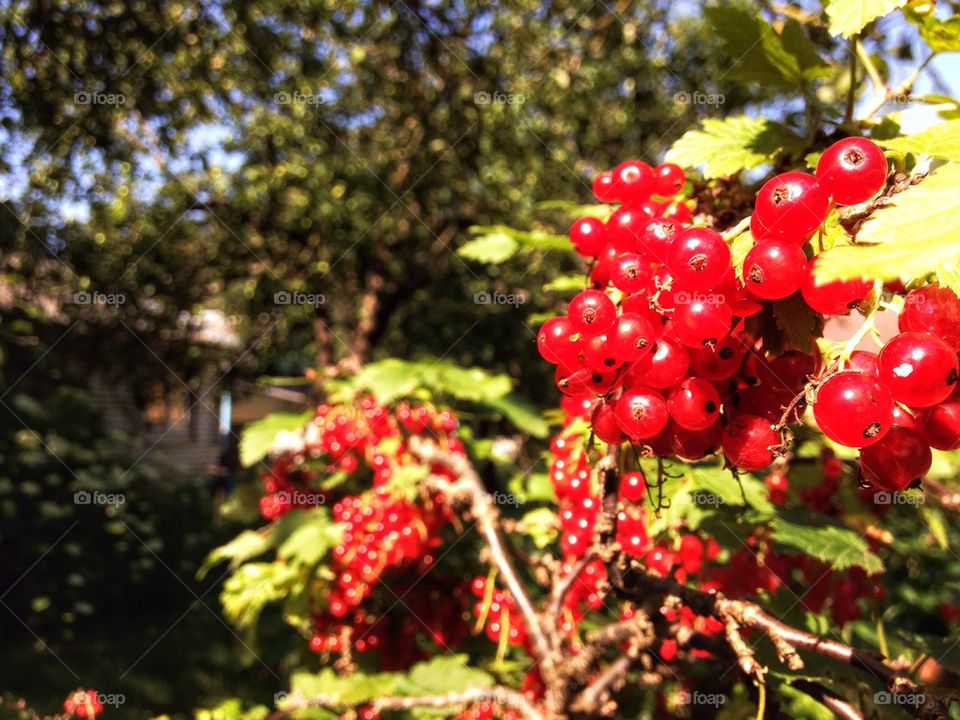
833 298
694 404
774 269
664 366
852 170
678 211
625 227
698 258
633 181
600 355
554 341
790 206
641 412
657 237
896 461
603 187
719 362
604 423
941 425
588 235
703 322
933 309
919 368
633 337
630 273
749 442
633 486
853 409
669 179
592 313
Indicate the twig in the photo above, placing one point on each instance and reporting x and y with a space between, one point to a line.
468 491
947 498
837 705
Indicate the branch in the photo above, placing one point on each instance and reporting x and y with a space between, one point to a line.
468 492
639 584
837 705
947 498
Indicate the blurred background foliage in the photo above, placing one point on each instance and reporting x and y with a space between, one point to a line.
198 156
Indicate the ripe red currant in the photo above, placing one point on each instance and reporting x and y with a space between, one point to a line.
641 412
630 273
657 237
592 312
833 298
603 187
790 206
703 322
853 409
901 457
554 341
719 362
852 170
588 235
919 368
633 337
664 366
604 423
678 211
941 425
625 227
633 181
669 179
774 269
694 404
698 258
933 309
599 354
633 486
749 442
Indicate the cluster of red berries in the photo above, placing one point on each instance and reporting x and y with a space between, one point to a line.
381 529
660 343
83 703
487 711
496 612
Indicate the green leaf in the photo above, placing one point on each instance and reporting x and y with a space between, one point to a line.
405 481
833 233
940 35
787 324
494 248
848 17
522 413
349 690
252 586
757 50
729 490
244 546
575 210
739 247
311 540
824 539
941 141
258 436
724 147
542 525
443 674
565 284
918 234
796 42
800 706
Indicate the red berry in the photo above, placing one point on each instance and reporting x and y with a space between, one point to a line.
935 310
833 298
785 373
592 312
941 425
641 412
554 341
603 187
630 273
664 366
919 368
852 170
719 362
633 486
605 425
572 381
774 269
853 409
633 337
633 181
703 322
588 235
698 258
790 206
749 442
865 362
897 460
625 227
777 488
691 553
599 354
678 211
669 179
694 404
657 237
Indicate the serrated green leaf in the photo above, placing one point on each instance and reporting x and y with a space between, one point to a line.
757 50
941 141
848 17
495 248
824 539
739 247
248 590
833 233
918 234
787 324
243 547
257 437
940 35
727 146
521 413
729 490
796 42
443 674
348 690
